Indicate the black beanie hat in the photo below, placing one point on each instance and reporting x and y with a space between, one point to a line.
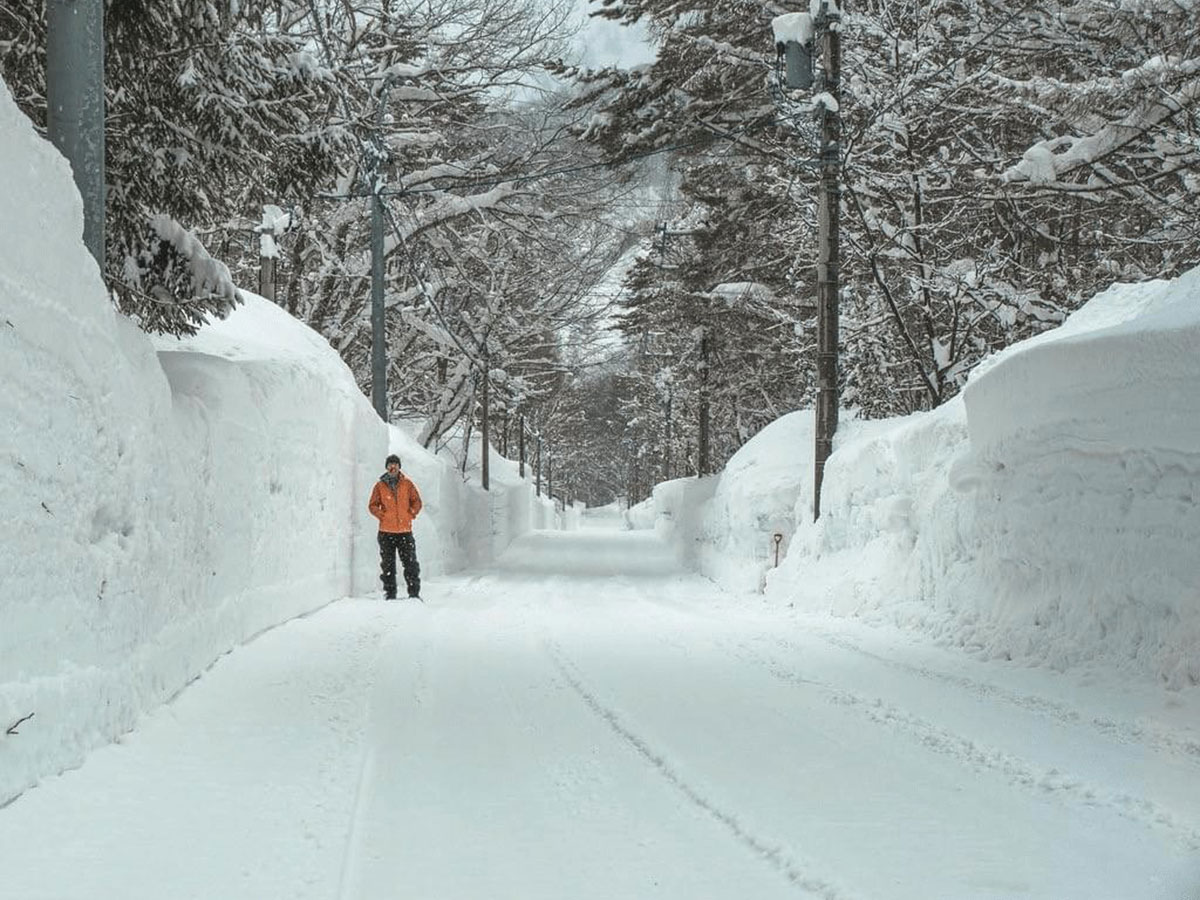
393 458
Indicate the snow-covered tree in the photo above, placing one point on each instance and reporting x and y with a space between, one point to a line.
1000 163
206 102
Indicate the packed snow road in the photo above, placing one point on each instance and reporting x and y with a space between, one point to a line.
586 721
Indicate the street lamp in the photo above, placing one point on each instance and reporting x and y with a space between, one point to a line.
797 35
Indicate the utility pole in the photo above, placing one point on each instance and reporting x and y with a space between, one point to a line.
521 443
702 465
538 466
828 27
75 104
667 448
486 431
378 159
794 40
266 276
275 222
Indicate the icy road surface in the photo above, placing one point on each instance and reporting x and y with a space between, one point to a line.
586 722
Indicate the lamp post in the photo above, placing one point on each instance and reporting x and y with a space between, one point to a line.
797 36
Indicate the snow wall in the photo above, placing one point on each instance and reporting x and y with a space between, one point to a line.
1049 514
164 500
735 525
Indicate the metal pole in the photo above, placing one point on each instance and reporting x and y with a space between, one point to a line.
378 336
378 320
828 252
75 104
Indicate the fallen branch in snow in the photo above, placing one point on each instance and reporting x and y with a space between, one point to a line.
12 729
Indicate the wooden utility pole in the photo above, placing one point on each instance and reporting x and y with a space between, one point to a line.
667 448
828 28
266 277
537 467
702 465
521 443
486 430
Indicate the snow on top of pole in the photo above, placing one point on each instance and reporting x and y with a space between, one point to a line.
796 27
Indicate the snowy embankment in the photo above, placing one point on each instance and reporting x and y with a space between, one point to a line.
165 500
1049 514
726 525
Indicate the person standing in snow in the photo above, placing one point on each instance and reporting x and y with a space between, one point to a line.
395 502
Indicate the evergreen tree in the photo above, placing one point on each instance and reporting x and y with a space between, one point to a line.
205 101
1000 164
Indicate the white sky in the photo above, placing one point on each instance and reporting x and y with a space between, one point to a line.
604 42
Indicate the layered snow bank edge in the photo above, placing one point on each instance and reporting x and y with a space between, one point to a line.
1048 515
160 507
1082 480
164 500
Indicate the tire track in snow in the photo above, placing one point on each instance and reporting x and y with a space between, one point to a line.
1016 770
774 855
1126 732
348 888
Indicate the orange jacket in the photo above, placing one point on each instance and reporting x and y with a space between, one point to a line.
395 508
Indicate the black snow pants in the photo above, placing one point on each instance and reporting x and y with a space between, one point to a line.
390 544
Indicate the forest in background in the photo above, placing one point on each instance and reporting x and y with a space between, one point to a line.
622 261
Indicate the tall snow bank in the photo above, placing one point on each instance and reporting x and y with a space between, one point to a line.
674 510
756 498
1082 479
889 526
1048 515
726 525
279 453
159 508
88 480
463 525
164 500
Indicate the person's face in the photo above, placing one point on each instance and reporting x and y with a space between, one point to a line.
393 468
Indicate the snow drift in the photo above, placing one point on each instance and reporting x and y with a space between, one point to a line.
166 499
1082 480
159 507
1049 514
